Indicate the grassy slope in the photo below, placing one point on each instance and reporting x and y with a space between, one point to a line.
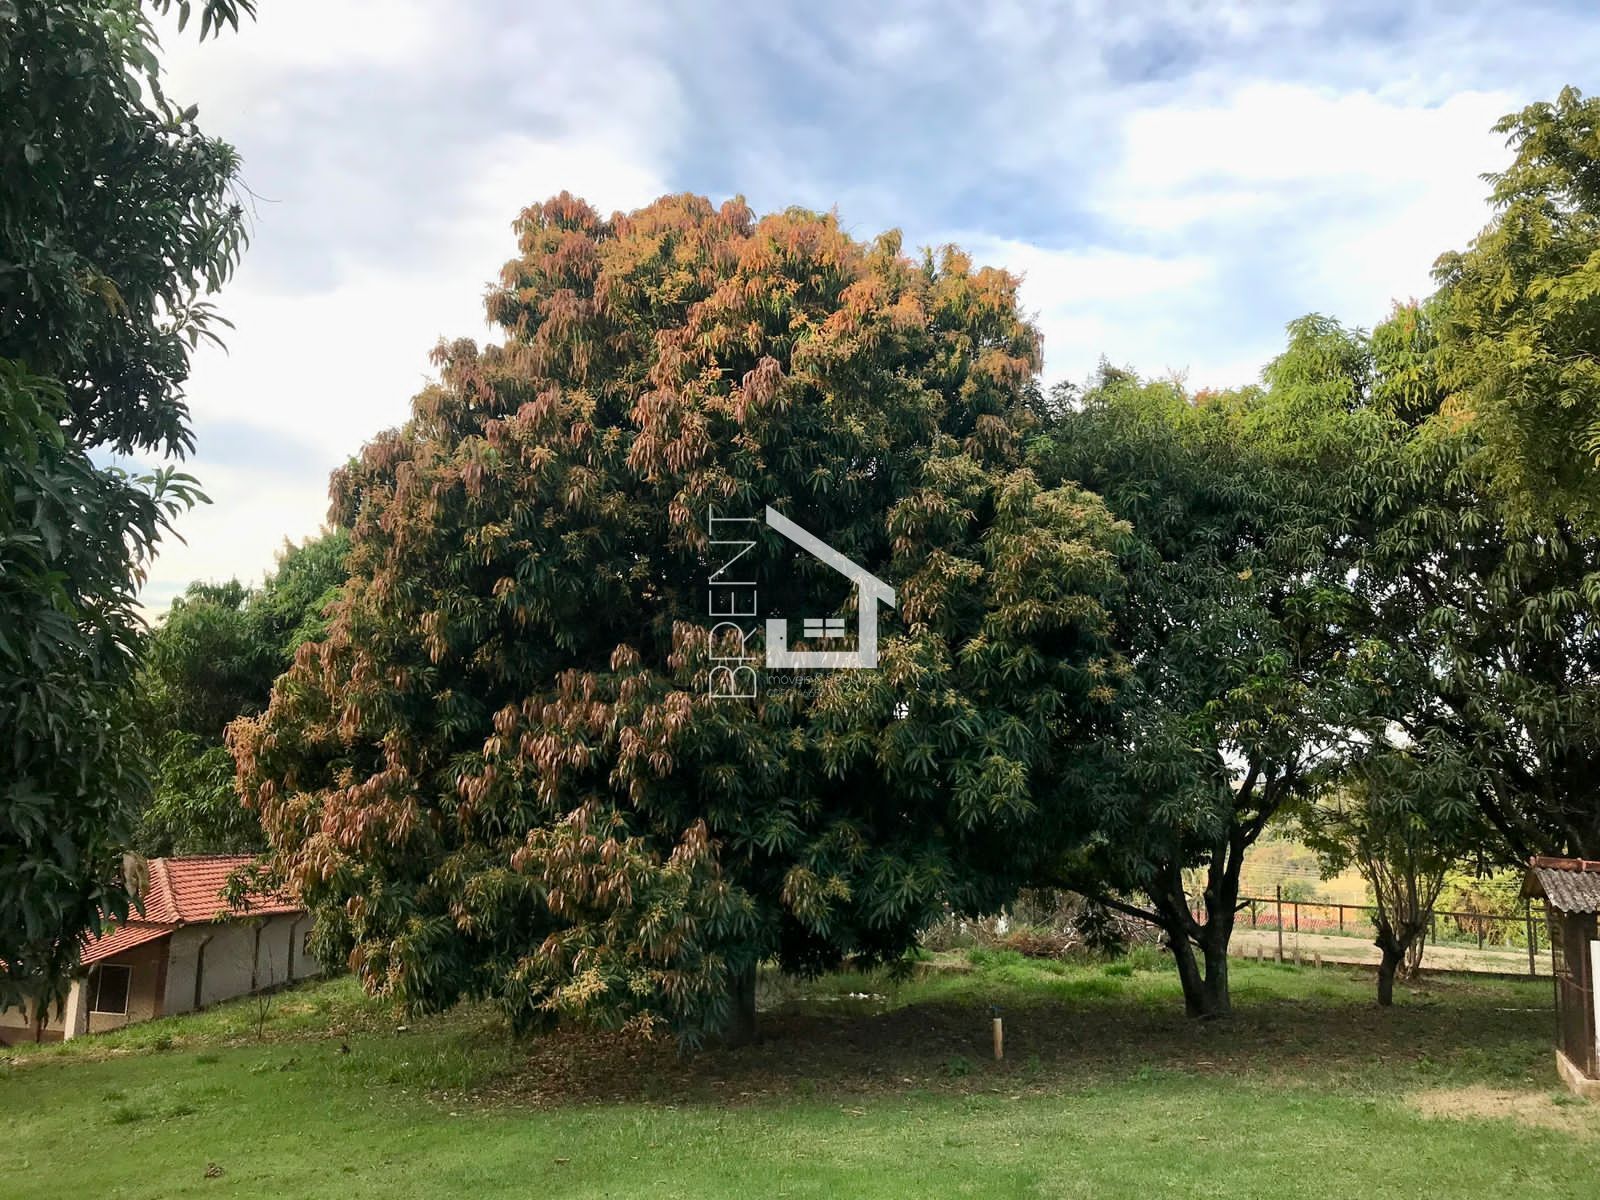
1105 1092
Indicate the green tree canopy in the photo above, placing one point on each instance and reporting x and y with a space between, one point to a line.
211 660
503 773
1233 619
116 218
1517 319
1485 614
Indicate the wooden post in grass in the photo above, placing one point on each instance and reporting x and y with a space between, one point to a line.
1280 922
1527 906
999 1035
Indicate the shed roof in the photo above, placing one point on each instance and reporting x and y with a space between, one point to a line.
1568 884
122 938
184 891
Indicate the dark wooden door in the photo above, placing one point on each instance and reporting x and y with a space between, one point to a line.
1570 937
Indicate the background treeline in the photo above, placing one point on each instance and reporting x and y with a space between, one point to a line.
211 659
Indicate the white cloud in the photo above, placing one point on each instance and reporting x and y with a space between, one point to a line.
1344 200
238 534
1099 301
333 367
1173 183
289 37
1267 134
520 170
324 356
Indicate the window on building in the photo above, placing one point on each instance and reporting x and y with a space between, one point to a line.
111 989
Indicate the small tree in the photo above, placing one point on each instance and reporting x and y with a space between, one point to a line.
1232 621
1404 819
211 660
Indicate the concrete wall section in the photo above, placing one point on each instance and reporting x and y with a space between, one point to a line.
227 959
16 1027
147 970
234 958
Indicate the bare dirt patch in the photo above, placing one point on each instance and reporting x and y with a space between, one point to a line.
1538 1110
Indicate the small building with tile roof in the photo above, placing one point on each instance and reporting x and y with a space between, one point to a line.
1570 889
182 948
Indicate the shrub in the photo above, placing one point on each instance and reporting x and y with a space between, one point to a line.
1037 943
1147 956
1301 890
1100 930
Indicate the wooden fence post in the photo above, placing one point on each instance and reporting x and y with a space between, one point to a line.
1527 906
1280 922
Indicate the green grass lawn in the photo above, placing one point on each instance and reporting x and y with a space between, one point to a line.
864 1086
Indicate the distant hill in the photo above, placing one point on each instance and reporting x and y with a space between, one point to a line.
1273 861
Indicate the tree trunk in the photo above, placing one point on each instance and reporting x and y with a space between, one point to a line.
1204 979
1386 972
1411 968
1217 1002
741 1027
1194 990
1394 946
1204 976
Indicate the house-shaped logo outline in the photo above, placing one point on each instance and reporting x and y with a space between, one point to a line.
870 590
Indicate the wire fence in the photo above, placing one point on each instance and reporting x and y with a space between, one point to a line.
1483 930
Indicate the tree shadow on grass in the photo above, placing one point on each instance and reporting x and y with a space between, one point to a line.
1448 1034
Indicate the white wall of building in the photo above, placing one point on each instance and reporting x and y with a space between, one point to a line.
233 958
1594 975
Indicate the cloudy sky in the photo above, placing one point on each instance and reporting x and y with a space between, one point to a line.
1174 181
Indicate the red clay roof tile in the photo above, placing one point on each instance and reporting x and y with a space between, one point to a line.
184 891
189 890
124 937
